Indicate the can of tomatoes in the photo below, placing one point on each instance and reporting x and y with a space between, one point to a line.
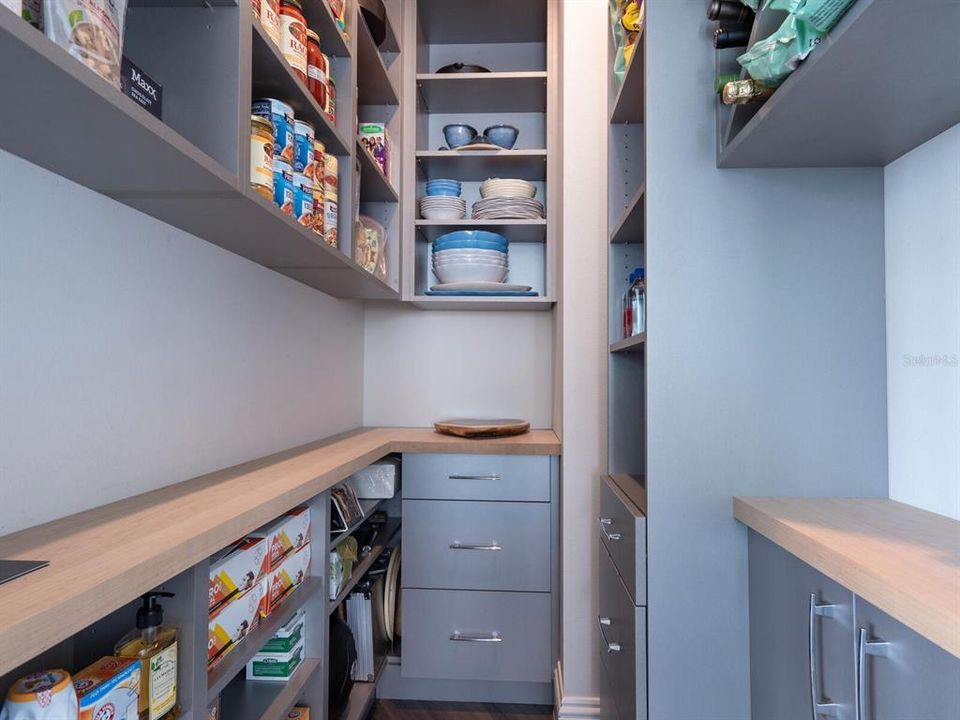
331 171
283 185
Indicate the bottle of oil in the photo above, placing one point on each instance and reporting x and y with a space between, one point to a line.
155 644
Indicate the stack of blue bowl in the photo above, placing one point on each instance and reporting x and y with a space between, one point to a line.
448 188
471 256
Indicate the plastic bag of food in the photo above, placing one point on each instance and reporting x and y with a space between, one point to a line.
821 15
91 31
772 59
633 16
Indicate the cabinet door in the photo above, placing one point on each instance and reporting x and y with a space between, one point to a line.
786 678
909 677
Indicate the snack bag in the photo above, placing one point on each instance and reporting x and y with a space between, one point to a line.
821 15
91 31
773 59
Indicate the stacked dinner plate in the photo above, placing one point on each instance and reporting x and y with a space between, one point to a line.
442 207
471 256
507 199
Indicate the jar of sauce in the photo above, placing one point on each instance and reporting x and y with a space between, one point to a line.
317 69
293 37
269 13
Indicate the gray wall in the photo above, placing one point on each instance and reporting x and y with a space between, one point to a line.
922 207
133 355
766 363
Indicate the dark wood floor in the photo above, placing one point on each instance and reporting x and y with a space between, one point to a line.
415 710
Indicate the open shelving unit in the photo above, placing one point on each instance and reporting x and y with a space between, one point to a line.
839 108
266 700
366 562
190 169
521 89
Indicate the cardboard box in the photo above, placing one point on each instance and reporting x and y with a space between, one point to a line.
110 688
141 88
277 667
285 535
288 636
236 569
287 578
375 138
231 623
299 713
16 6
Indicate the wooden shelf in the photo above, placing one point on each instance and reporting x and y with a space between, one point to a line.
507 92
235 661
630 344
513 230
634 487
374 86
447 302
839 110
374 185
480 165
630 226
266 700
273 77
368 507
363 694
391 528
629 102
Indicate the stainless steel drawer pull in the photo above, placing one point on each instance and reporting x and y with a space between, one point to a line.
612 647
604 522
474 637
491 476
473 546
818 707
865 647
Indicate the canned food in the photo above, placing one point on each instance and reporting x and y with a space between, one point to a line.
331 108
319 155
303 199
318 202
330 222
283 185
331 169
303 148
269 14
280 116
261 156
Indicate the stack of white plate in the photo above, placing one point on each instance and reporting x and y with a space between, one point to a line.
499 187
441 207
507 199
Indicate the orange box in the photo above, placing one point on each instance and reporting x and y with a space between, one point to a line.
299 713
285 535
230 624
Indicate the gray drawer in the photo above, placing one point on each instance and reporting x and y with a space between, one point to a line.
477 477
452 544
622 636
623 531
510 634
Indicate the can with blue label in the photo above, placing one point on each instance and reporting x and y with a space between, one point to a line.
303 199
303 155
283 185
280 116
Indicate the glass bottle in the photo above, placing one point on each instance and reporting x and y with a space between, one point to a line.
155 644
638 303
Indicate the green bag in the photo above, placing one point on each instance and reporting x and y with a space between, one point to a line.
820 15
772 59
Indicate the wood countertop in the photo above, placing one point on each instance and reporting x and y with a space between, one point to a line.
103 558
904 560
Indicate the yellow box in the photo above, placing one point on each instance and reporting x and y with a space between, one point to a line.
109 688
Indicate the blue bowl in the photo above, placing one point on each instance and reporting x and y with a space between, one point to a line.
458 134
503 135
472 235
470 245
445 191
443 180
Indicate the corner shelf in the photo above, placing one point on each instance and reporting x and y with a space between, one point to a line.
267 700
630 344
514 230
628 106
374 185
508 92
630 226
479 165
391 527
838 110
236 661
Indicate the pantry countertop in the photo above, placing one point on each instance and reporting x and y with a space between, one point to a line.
903 560
103 558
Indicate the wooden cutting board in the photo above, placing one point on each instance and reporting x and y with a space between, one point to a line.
474 428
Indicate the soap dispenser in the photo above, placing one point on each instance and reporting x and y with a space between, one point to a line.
155 644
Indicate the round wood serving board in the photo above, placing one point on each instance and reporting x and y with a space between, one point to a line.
473 428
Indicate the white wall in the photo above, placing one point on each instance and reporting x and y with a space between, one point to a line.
423 366
133 355
922 213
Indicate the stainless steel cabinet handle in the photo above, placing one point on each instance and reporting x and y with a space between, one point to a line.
612 647
604 522
476 637
490 476
818 707
473 546
865 647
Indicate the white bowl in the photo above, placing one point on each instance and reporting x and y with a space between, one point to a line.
442 214
470 273
466 257
472 253
441 263
507 188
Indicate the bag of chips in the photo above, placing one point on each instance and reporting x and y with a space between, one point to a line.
772 59
91 31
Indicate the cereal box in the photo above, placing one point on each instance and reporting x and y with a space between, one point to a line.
230 624
285 535
110 688
375 138
236 569
285 579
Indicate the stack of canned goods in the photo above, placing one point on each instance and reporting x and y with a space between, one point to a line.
291 167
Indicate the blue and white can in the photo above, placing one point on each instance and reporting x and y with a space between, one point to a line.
280 116
283 185
303 153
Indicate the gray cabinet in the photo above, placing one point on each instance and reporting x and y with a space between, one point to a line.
819 651
801 625
902 675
